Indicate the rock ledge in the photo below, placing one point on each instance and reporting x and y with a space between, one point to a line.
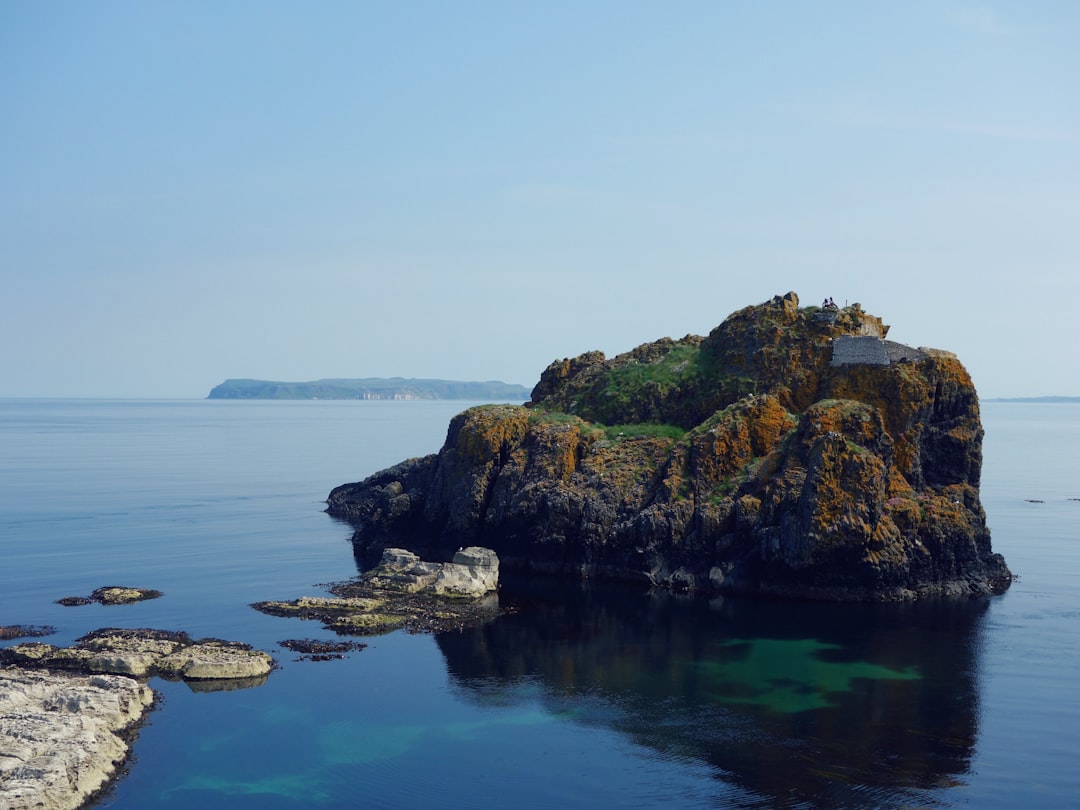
142 653
404 592
62 735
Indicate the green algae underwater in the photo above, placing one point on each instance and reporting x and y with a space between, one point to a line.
789 675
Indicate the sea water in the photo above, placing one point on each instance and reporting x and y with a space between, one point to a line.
579 697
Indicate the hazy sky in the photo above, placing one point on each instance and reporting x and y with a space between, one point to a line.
191 191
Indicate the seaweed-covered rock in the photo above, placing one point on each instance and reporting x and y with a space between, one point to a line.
13 631
111 595
793 451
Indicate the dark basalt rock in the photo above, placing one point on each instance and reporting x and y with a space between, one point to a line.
761 458
74 601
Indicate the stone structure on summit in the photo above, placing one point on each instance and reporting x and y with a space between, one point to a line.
793 451
851 350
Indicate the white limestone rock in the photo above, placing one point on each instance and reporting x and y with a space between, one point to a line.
473 573
59 735
142 653
217 662
401 570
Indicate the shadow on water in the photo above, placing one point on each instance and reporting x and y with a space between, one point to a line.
789 704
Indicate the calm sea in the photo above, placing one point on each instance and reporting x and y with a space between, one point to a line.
580 698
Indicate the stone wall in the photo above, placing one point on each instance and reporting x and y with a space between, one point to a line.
850 350
899 353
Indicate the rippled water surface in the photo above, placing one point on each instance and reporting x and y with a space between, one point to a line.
600 697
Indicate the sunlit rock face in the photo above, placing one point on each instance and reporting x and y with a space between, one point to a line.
62 735
792 451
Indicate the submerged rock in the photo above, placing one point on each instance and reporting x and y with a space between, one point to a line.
63 736
13 631
793 451
311 649
404 592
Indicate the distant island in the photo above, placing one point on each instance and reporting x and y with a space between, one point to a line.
371 388
1034 399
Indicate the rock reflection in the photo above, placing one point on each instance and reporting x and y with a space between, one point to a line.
226 684
791 703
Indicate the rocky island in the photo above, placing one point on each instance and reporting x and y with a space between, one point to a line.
369 388
794 451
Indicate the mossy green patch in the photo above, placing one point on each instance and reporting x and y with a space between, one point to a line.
647 430
788 675
673 368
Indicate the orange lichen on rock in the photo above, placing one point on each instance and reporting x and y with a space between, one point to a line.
767 422
554 449
719 450
725 444
486 433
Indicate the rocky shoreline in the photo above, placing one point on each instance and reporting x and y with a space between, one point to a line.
63 736
68 714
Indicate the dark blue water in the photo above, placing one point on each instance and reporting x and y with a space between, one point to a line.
581 697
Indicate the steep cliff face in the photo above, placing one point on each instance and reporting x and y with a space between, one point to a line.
743 461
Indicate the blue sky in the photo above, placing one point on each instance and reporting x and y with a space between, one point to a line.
191 191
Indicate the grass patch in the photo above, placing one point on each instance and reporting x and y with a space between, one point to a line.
555 418
638 430
643 430
674 368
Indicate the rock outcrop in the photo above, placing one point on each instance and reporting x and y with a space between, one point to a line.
750 460
403 591
62 736
145 652
111 595
473 572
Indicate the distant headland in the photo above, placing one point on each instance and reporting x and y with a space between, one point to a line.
371 388
1047 400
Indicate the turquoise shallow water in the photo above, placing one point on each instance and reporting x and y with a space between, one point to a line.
578 698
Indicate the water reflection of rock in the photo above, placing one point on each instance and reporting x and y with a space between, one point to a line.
824 704
226 684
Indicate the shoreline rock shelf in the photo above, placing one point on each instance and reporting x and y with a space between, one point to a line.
66 713
63 735
143 653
